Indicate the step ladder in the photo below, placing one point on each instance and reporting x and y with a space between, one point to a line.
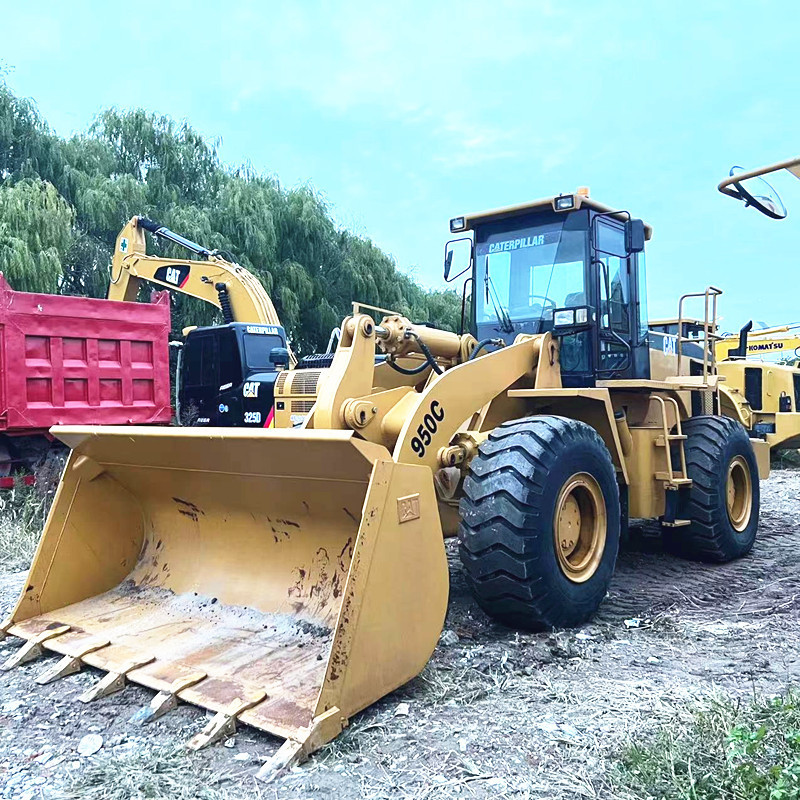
676 480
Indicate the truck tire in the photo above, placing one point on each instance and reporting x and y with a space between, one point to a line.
540 523
724 499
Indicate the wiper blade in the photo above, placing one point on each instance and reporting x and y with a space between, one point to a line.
503 317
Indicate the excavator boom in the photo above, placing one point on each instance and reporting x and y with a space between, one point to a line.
228 286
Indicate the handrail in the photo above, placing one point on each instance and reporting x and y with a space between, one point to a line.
709 329
668 437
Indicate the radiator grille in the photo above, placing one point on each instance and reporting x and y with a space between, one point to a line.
302 406
305 381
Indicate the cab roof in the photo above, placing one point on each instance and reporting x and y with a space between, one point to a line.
547 203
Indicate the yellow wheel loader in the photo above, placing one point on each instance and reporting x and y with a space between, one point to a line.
288 578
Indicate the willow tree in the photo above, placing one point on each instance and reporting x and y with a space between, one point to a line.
62 203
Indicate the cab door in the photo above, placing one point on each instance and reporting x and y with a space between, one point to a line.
617 326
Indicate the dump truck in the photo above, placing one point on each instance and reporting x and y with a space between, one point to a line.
288 578
226 373
76 360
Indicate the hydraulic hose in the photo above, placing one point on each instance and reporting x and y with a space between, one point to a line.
483 344
430 361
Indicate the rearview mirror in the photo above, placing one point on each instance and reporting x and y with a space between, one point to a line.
759 194
634 236
617 238
457 257
279 357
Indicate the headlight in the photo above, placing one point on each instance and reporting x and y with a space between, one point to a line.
566 316
457 224
565 202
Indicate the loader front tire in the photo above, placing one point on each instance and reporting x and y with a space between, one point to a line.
540 523
724 499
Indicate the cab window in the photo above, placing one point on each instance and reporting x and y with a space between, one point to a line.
230 365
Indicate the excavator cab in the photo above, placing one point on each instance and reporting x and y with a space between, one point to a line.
227 375
570 266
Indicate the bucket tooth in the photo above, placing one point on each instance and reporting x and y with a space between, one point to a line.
65 666
33 648
69 664
167 701
113 682
323 729
287 755
4 626
223 724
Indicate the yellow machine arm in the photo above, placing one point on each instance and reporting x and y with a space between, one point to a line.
229 287
763 343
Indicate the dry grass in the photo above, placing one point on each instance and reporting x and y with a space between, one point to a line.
156 774
22 515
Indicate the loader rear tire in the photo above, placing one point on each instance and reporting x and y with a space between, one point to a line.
724 499
534 481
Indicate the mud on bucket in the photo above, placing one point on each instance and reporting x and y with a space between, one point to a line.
284 578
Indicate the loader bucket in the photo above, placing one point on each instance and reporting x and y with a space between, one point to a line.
284 578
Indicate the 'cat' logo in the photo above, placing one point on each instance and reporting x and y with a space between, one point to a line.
175 276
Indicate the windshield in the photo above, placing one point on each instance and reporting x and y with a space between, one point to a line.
522 275
257 348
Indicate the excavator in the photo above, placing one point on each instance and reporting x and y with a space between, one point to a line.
288 578
226 373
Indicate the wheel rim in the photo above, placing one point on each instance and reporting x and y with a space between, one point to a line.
739 493
579 527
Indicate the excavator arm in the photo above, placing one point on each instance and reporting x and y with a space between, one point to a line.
231 288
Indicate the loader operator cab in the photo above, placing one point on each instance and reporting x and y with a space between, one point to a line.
568 265
227 374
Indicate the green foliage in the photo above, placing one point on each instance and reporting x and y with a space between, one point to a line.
35 234
724 751
63 202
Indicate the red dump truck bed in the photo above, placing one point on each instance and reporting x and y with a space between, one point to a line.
76 360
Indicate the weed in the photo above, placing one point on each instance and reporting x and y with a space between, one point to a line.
156 774
719 751
22 514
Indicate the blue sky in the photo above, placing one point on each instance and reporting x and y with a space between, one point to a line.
404 114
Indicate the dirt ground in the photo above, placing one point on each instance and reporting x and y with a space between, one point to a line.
496 713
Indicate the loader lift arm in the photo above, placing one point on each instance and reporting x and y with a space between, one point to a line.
215 280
